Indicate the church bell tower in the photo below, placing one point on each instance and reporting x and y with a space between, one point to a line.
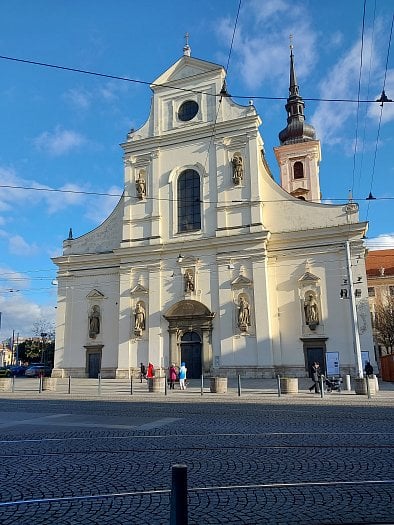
299 152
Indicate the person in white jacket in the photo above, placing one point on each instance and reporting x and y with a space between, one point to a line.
182 376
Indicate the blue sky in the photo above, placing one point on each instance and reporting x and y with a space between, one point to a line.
62 129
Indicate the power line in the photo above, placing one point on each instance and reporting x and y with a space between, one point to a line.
170 86
233 201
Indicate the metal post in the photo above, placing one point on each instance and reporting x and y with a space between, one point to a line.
69 384
368 387
99 384
322 386
347 382
13 384
357 347
202 384
165 386
279 390
40 384
178 510
131 385
239 385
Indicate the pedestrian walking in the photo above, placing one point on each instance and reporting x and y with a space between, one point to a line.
172 375
142 372
368 369
182 376
315 374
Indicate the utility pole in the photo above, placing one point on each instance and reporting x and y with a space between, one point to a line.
356 335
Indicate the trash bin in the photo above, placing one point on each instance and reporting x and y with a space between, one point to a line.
156 384
289 385
218 385
360 386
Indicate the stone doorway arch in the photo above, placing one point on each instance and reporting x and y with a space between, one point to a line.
190 316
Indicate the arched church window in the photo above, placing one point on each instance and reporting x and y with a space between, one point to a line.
189 208
298 170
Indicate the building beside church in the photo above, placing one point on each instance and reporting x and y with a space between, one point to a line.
206 259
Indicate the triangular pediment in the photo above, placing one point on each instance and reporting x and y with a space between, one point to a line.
186 67
95 294
139 289
241 281
308 278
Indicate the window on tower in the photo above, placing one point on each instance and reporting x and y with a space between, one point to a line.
298 170
189 207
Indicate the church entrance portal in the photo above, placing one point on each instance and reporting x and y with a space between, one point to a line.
190 328
191 354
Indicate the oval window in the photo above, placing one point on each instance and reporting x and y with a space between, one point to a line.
188 110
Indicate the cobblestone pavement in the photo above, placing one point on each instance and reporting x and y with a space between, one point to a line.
251 460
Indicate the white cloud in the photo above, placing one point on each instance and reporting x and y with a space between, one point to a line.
79 97
19 315
59 141
383 241
18 246
100 208
265 58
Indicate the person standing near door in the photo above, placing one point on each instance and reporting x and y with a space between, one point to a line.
182 376
315 374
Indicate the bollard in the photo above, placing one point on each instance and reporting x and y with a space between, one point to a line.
322 386
69 384
40 384
347 382
131 385
13 384
239 385
165 387
368 387
279 390
178 500
99 384
202 384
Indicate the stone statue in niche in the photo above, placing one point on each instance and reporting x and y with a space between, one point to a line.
140 186
243 314
238 169
139 319
311 311
94 321
189 281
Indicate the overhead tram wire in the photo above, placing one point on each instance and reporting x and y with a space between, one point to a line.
169 86
106 194
358 96
368 92
223 91
370 196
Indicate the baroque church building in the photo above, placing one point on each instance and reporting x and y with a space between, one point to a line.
206 259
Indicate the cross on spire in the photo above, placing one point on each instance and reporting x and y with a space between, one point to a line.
186 48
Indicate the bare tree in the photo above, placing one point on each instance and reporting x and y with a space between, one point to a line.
384 322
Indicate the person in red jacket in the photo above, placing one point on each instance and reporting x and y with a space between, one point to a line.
172 375
150 372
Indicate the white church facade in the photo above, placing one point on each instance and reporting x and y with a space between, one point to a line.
206 259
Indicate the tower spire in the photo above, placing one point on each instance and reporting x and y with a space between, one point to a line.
296 130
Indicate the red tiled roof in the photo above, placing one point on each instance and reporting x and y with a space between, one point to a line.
378 259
